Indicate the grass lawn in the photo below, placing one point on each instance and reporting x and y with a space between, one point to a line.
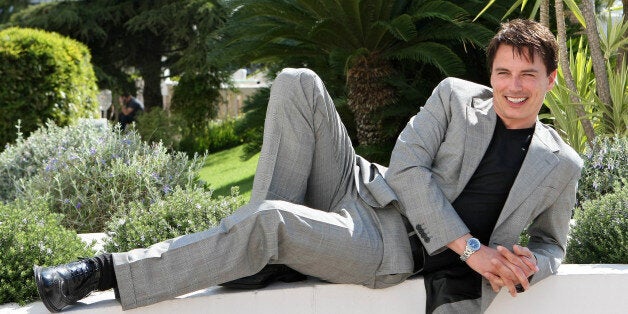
225 169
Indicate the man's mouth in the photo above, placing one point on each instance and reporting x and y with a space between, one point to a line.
516 100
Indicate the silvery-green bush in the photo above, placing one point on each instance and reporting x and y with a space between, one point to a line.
180 212
605 168
88 172
30 234
27 156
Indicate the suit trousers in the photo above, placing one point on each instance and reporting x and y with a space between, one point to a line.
304 212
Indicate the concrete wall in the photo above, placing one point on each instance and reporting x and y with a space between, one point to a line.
575 289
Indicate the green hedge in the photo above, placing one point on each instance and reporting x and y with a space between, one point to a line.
44 76
600 234
29 235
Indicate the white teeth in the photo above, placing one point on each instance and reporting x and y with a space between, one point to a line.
516 100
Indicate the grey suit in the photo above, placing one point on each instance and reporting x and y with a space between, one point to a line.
438 152
322 210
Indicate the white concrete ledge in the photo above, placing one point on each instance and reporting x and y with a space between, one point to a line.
575 289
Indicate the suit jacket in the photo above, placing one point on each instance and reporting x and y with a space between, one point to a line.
436 155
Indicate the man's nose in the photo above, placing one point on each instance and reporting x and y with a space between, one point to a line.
516 83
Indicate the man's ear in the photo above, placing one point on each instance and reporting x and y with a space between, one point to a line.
552 79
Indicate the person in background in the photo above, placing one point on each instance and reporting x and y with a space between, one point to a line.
130 107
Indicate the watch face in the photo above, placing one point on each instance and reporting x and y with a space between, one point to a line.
474 244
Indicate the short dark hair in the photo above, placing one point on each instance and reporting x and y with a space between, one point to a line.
126 94
526 37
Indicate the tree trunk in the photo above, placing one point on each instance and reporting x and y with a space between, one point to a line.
151 74
563 59
150 70
368 94
545 13
599 64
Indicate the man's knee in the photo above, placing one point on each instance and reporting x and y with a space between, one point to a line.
300 78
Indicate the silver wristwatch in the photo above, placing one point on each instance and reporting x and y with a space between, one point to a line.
473 245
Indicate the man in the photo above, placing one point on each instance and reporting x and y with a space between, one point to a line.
469 173
129 110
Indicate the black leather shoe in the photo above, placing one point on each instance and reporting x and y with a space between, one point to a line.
63 285
268 274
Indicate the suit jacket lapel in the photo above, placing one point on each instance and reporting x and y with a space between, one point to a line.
480 128
539 161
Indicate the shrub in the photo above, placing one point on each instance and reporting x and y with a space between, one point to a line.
27 157
181 212
161 126
196 95
50 77
605 168
213 136
600 234
29 235
252 126
91 172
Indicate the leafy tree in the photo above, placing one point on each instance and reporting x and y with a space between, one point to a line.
146 36
9 7
360 40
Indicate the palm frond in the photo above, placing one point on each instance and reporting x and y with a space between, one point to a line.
401 27
438 55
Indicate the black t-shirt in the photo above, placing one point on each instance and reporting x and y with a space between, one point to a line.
447 279
484 196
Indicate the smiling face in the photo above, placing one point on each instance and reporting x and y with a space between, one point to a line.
519 86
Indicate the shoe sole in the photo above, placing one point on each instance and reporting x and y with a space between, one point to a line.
40 290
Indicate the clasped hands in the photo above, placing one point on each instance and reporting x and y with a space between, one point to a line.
505 268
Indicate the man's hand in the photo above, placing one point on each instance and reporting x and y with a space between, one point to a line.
521 262
501 267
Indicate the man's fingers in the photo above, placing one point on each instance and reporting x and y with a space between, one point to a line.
515 264
505 273
496 282
529 258
523 269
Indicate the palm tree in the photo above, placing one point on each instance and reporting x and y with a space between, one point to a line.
362 39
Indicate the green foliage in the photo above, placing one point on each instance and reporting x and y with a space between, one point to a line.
340 32
614 117
90 172
181 212
212 136
605 168
9 7
162 126
50 77
563 112
600 234
252 124
194 97
31 235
